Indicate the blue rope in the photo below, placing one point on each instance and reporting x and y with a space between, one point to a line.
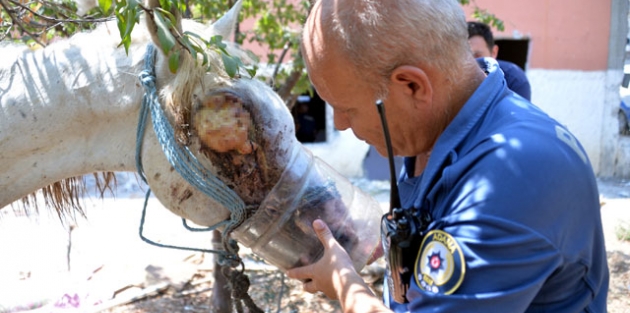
181 158
195 174
161 245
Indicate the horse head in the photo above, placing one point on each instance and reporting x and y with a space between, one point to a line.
242 130
237 127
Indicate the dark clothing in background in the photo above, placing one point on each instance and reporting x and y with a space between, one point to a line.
514 77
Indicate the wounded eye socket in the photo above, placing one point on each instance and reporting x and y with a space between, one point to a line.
223 123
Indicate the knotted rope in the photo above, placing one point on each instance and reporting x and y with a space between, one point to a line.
189 167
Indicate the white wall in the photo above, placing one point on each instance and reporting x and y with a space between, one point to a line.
587 103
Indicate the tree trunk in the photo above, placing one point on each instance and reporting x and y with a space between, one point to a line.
221 297
285 90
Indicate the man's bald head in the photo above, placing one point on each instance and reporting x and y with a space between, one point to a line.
376 36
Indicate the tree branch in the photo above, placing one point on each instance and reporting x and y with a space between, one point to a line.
17 20
56 20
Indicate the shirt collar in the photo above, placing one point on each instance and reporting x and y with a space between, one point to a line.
491 89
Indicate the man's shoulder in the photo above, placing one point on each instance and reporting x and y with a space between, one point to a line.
511 67
516 79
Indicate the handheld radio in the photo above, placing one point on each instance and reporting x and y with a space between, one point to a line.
401 229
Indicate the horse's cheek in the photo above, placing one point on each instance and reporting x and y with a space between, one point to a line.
184 200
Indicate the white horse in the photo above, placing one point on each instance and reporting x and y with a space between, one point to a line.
72 109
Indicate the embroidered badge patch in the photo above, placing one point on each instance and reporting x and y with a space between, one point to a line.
440 265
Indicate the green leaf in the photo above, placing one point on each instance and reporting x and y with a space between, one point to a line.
196 36
173 62
168 14
196 48
165 4
124 27
122 24
131 23
252 71
230 64
127 16
166 39
488 18
217 41
125 42
498 24
189 46
105 5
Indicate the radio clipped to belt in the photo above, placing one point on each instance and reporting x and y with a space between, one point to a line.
401 230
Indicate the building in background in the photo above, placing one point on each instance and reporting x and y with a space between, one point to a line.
573 53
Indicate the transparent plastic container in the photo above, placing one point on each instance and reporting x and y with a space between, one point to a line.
281 230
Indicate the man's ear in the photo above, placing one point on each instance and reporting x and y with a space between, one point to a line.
412 82
495 51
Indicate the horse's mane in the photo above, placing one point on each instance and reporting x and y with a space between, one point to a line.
65 195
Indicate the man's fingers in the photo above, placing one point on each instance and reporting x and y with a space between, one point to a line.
305 274
302 273
310 286
323 233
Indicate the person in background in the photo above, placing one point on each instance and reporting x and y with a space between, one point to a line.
482 45
509 213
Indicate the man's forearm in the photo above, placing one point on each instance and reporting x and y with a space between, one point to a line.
355 296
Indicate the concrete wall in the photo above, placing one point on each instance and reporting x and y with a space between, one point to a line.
575 64
575 99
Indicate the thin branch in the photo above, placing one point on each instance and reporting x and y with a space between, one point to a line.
279 63
19 22
174 31
56 20
7 32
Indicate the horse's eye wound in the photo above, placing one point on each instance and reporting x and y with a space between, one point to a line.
222 123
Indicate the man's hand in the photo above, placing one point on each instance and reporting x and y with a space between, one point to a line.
335 276
327 274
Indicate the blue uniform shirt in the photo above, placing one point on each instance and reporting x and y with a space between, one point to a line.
515 211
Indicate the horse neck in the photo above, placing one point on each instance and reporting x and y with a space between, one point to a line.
67 110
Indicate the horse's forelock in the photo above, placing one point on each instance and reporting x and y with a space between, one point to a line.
194 79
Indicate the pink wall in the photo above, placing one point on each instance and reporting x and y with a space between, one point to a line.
564 34
248 24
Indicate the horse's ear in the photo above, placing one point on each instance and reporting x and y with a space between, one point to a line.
227 23
151 22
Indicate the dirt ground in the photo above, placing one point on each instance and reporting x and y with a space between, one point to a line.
273 293
113 271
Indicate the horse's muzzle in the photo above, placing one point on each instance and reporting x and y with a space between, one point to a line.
281 230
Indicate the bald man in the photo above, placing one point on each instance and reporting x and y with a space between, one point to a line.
503 198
